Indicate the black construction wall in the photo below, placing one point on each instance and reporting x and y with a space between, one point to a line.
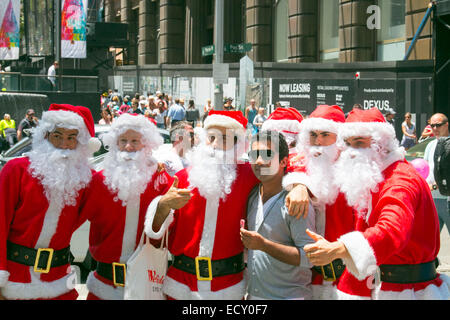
16 104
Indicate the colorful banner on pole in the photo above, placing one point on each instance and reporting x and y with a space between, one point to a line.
9 29
73 28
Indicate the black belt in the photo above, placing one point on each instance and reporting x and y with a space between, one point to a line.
206 269
332 271
115 272
42 259
409 273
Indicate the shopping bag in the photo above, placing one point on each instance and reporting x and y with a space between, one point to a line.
146 270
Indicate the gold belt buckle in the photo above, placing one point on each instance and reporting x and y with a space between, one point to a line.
124 270
197 268
325 276
49 261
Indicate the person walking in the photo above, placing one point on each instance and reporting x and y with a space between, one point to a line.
409 138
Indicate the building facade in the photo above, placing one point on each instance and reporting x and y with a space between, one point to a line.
174 31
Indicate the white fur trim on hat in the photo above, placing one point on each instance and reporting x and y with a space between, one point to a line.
218 120
281 125
316 124
64 119
94 145
376 130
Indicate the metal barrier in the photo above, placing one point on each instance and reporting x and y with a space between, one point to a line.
18 82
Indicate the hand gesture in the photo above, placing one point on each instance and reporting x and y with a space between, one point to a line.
252 239
175 198
321 252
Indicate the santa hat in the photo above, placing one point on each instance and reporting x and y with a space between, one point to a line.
324 118
365 123
226 119
371 123
139 123
284 120
72 117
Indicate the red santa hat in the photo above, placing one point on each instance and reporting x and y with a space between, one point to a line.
71 117
323 118
365 123
371 123
284 120
226 119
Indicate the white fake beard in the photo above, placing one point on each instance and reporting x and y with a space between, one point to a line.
212 172
320 161
358 173
62 172
127 174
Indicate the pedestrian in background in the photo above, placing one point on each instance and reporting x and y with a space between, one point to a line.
51 74
8 130
30 121
176 113
409 132
192 114
250 113
259 120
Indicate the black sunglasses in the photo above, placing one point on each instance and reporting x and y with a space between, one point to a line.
437 125
266 155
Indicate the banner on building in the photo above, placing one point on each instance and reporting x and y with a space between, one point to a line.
9 29
73 28
39 34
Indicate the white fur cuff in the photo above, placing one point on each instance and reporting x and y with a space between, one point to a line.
150 215
297 178
4 276
363 262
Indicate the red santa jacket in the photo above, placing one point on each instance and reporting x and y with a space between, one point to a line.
115 230
339 220
25 217
401 227
203 224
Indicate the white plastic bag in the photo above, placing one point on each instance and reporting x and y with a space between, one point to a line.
146 270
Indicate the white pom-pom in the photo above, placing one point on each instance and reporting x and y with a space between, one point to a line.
94 145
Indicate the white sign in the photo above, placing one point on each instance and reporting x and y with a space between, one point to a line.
220 73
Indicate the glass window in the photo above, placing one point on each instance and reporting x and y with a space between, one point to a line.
391 36
329 30
281 30
392 20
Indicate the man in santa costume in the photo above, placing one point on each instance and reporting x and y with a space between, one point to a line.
204 235
287 122
397 232
317 141
118 199
40 199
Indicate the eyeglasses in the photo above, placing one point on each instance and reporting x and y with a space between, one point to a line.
31 114
266 155
437 125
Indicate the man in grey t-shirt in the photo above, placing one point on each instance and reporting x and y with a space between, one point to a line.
277 267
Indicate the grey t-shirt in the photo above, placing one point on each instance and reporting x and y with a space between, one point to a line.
269 278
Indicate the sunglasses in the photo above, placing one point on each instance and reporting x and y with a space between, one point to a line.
266 155
437 125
